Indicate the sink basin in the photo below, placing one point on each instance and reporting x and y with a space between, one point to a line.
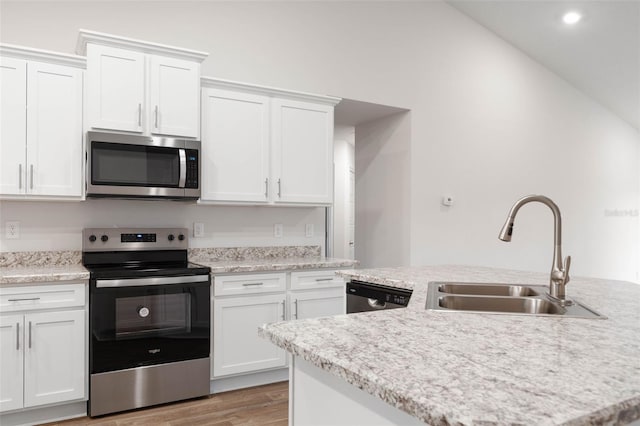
496 298
518 305
488 289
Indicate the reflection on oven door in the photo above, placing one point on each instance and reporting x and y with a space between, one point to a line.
152 315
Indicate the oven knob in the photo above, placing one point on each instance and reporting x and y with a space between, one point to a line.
171 237
143 311
181 237
104 238
92 238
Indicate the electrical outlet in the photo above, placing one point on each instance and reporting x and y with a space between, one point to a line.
12 230
308 230
277 230
198 230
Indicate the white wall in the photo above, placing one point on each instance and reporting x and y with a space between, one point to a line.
488 124
343 160
383 204
58 225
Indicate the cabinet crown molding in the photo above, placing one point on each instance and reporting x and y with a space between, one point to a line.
32 54
268 91
87 36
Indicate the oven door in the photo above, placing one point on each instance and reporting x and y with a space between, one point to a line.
135 166
148 321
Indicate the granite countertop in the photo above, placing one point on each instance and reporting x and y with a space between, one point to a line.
468 368
275 264
54 266
44 274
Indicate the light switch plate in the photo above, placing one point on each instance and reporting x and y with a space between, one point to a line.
198 230
308 230
12 230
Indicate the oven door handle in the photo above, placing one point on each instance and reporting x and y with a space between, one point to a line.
137 282
183 168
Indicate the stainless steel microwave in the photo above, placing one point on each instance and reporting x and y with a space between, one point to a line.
132 166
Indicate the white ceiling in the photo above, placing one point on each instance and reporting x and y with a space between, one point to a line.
600 55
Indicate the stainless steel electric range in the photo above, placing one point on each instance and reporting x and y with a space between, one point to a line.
149 320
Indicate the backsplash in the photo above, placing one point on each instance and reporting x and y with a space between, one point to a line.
40 258
249 253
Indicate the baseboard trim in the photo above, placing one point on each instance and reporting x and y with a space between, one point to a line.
45 414
226 384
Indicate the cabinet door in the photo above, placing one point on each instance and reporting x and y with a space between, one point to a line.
235 146
320 303
13 125
11 362
115 84
54 130
55 367
175 97
237 348
303 152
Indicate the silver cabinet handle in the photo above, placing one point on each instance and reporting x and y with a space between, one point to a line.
251 284
26 298
279 189
324 279
139 115
295 304
20 176
17 336
156 114
31 175
266 188
29 334
283 309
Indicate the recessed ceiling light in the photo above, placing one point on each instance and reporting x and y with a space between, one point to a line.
571 18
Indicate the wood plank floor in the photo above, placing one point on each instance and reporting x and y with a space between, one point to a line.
261 405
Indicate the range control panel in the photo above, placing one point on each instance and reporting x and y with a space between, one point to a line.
117 239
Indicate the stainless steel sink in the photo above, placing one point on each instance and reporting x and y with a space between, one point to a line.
516 305
488 289
495 298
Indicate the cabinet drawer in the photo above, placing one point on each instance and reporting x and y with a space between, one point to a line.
249 284
315 279
29 298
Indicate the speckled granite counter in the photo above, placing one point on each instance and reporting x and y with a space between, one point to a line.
41 267
275 264
54 266
464 368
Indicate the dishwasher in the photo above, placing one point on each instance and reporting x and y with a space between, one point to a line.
364 297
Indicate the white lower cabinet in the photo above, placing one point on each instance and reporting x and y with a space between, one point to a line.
319 303
11 362
237 348
242 303
42 354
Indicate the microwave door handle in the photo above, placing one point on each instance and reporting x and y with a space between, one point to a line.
183 168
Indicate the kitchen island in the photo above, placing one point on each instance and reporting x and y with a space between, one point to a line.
467 368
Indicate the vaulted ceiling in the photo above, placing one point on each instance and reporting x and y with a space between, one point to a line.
600 55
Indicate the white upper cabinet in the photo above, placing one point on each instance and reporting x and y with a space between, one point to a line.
40 124
13 124
142 87
54 130
116 88
303 151
235 139
265 145
175 96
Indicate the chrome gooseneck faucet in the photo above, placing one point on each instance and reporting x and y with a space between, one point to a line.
559 271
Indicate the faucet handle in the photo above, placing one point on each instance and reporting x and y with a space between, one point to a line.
567 266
